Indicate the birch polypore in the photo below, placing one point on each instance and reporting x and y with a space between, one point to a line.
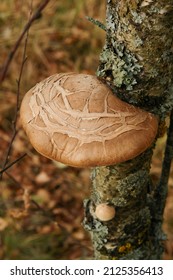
77 120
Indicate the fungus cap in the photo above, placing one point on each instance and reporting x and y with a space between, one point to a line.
77 120
105 212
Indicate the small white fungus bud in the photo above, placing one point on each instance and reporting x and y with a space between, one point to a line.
105 212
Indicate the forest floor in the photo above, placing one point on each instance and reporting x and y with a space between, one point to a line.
41 201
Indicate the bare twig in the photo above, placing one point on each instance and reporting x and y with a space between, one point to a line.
34 17
13 179
11 164
14 133
21 187
97 23
14 124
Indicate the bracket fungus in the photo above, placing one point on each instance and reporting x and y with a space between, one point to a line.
77 120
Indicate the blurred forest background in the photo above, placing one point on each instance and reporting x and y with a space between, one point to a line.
41 201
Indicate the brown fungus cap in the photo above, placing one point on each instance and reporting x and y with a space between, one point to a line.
75 119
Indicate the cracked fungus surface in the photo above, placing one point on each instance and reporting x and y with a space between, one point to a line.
75 119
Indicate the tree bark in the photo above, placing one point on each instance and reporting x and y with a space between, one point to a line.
137 63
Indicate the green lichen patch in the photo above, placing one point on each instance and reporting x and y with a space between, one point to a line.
119 66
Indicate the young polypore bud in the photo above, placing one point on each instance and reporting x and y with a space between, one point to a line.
77 120
104 212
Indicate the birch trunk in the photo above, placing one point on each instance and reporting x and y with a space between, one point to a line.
137 62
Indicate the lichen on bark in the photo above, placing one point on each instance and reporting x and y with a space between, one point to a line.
138 51
137 63
126 186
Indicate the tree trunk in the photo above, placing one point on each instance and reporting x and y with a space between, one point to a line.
137 63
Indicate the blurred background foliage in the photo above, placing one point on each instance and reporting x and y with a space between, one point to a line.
41 201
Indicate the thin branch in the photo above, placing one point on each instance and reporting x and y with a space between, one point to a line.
13 179
12 163
21 187
14 123
97 23
162 188
34 17
14 133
